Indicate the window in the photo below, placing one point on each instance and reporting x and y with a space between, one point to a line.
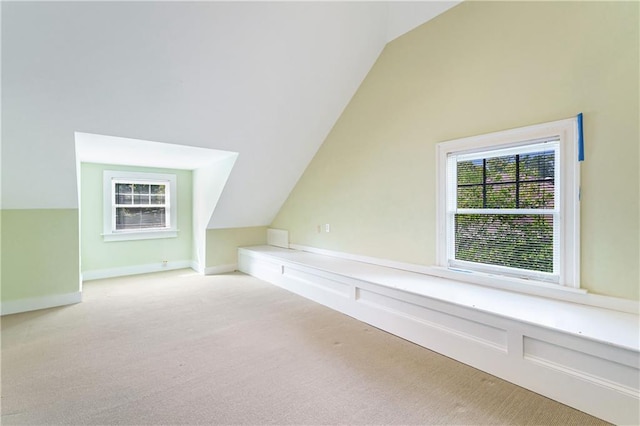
508 204
139 205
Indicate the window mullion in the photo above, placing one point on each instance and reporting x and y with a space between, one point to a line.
517 181
541 212
484 183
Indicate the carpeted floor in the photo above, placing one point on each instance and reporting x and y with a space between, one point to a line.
180 348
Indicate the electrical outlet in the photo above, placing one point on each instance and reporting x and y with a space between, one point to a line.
164 263
325 227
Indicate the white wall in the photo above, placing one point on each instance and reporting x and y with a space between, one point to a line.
262 79
208 182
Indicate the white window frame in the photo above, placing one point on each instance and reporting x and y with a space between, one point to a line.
566 208
110 178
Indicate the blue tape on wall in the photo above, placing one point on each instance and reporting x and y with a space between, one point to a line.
580 139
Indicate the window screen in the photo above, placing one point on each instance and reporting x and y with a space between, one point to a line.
504 211
140 205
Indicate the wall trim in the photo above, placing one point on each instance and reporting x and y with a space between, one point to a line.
551 291
221 269
36 303
98 274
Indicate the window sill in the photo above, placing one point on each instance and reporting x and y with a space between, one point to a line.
140 235
519 285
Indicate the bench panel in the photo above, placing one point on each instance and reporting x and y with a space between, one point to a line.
596 377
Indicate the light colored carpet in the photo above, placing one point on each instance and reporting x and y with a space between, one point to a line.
180 348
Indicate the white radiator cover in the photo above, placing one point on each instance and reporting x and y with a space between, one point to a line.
278 237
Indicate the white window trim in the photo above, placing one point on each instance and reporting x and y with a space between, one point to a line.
568 196
109 232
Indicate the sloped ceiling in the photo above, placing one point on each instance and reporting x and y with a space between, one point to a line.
266 80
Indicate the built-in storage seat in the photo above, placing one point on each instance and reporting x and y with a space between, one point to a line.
583 356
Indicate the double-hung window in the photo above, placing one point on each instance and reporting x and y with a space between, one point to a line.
139 205
508 204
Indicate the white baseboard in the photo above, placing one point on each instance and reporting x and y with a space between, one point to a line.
196 267
550 291
221 269
35 303
98 274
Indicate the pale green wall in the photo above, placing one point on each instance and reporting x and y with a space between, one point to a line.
39 253
478 68
222 244
99 255
0 254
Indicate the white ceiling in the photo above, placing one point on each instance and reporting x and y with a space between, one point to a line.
264 79
407 15
104 149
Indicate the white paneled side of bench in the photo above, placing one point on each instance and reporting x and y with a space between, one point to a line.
593 376
266 269
614 373
456 325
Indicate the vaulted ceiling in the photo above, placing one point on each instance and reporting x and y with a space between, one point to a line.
266 80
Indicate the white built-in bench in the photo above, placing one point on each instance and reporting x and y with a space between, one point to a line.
584 356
